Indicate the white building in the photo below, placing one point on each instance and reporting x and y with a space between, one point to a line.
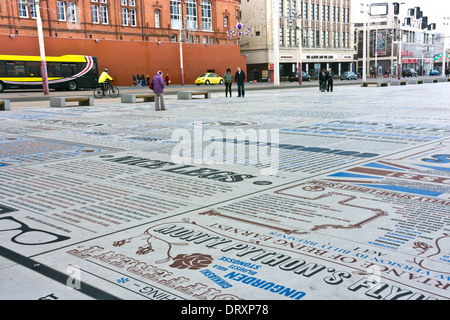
411 31
323 26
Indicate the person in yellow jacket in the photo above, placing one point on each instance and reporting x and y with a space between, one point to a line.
103 80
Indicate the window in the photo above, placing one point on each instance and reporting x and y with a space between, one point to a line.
95 14
124 16
191 14
157 25
104 14
61 11
71 11
23 11
175 15
132 17
206 15
128 14
305 10
33 11
196 39
317 12
225 21
205 39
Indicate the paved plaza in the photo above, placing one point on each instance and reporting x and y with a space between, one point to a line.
285 194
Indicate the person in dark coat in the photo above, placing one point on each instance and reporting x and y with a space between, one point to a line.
239 77
323 80
228 79
330 76
158 89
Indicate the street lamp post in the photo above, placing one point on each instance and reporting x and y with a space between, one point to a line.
376 53
41 43
364 12
399 63
444 55
276 44
180 40
300 67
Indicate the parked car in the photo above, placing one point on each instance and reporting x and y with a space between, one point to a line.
208 78
294 76
435 73
409 73
348 75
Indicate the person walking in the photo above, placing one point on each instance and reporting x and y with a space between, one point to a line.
240 80
147 78
158 89
228 79
330 78
323 80
167 79
134 80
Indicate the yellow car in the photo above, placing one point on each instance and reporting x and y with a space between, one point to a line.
209 78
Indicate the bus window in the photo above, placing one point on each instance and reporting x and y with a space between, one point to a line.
10 69
2 69
33 69
68 69
54 69
20 68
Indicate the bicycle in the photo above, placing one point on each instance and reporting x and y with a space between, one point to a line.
100 91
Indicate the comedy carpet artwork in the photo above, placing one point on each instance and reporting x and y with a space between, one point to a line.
218 201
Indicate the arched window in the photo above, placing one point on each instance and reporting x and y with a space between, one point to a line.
206 15
157 25
191 14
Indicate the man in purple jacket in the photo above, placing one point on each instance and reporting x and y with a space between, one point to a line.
158 89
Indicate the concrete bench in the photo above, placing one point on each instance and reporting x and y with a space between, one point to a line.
398 82
443 79
60 102
187 95
5 105
430 80
131 98
377 83
415 81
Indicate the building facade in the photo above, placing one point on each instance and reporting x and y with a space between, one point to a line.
318 33
407 37
129 36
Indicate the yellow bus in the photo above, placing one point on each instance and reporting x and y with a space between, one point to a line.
71 72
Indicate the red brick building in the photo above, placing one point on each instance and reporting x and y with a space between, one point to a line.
129 36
